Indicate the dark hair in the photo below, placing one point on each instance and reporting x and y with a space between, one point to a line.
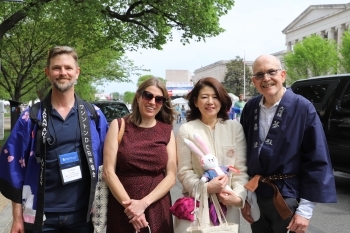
166 113
220 92
58 50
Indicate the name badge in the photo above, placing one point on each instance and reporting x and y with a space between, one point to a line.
72 157
70 167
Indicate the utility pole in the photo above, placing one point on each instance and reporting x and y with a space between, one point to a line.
244 76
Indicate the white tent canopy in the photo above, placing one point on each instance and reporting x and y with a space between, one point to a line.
234 98
181 101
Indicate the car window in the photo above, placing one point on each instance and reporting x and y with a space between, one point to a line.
315 93
112 110
345 103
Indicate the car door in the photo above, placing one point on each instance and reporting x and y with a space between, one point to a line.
339 130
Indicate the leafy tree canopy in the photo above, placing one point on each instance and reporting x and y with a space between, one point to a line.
24 54
134 24
314 56
234 77
101 31
148 76
128 97
344 50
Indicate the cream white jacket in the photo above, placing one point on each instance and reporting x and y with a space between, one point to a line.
226 142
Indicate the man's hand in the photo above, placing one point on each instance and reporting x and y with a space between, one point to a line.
298 224
17 216
246 213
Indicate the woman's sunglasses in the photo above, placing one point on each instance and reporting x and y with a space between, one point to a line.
146 95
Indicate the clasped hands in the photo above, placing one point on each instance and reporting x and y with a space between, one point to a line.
227 197
135 212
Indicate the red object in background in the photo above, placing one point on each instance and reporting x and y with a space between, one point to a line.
170 92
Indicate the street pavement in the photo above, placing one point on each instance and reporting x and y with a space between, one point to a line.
5 204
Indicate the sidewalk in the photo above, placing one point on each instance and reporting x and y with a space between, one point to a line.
5 215
6 210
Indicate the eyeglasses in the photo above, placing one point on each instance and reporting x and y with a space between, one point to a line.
146 95
270 74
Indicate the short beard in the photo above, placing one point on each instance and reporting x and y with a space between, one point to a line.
62 87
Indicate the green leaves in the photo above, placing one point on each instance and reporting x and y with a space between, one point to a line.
234 77
101 31
314 56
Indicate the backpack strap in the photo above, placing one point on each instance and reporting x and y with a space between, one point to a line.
92 111
33 114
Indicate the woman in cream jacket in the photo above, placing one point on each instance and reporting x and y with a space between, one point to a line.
209 104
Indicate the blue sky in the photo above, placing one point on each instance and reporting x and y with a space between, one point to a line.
253 27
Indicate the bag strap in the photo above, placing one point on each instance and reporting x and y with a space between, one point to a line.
92 110
218 209
121 130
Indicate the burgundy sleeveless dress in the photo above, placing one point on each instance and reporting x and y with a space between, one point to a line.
141 163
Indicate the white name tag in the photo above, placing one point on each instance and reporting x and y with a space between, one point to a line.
71 174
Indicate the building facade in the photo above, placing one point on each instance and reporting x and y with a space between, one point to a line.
179 82
329 21
216 70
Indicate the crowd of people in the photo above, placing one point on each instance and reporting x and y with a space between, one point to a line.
48 166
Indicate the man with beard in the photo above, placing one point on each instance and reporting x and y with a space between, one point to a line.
48 166
287 153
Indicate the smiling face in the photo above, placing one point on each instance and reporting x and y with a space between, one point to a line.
62 72
208 103
270 86
150 108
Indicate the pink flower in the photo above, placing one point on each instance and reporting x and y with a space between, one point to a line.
6 151
10 158
26 116
22 162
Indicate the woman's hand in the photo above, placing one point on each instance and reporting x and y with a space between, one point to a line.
217 184
228 197
139 222
135 208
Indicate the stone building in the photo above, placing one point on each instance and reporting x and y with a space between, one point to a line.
216 70
329 21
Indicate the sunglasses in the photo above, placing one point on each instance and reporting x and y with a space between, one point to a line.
146 95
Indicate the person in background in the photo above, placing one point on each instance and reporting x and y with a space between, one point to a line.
178 113
183 113
287 153
52 187
209 103
141 170
239 104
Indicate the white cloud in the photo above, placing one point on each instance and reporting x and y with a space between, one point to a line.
253 27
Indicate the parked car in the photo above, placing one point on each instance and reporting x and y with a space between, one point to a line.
112 109
331 97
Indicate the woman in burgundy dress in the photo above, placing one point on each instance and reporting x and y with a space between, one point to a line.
142 169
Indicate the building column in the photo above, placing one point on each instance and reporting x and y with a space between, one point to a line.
321 34
340 30
289 46
330 34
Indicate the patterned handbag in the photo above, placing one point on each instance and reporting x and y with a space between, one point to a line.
99 206
100 203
